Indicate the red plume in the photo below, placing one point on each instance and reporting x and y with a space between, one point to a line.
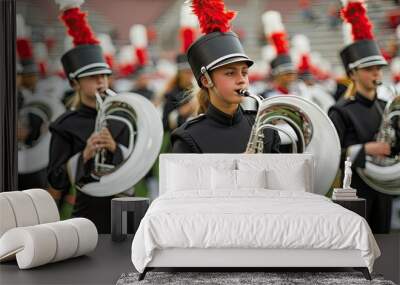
280 42
42 69
142 57
24 49
356 14
78 27
188 36
110 60
126 69
212 15
305 64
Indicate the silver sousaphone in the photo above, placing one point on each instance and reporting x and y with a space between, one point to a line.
383 174
36 156
145 137
307 128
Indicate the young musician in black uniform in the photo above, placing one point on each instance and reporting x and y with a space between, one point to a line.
283 71
74 142
178 104
220 67
357 118
30 124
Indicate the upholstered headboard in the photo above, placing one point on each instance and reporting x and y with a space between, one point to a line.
283 164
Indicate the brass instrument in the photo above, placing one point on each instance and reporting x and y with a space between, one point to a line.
308 128
34 157
383 174
145 137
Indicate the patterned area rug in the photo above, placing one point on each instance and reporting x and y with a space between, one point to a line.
230 278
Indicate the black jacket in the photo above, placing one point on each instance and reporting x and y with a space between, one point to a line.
357 121
173 100
217 132
69 134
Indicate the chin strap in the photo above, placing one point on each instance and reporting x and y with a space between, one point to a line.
210 83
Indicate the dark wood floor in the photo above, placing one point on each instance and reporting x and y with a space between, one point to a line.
110 260
389 262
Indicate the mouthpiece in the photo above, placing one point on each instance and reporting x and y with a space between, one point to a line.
377 82
105 92
109 92
244 93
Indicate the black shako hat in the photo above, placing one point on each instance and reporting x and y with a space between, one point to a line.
214 50
84 60
361 54
86 57
282 64
28 67
182 62
364 51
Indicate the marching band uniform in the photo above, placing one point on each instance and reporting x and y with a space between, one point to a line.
215 131
357 120
177 95
70 132
283 71
138 37
173 100
176 98
69 135
29 122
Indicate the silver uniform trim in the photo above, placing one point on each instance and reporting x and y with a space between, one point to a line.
373 63
72 75
376 59
101 71
211 65
235 59
283 68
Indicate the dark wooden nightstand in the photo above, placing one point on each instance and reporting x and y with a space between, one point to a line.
119 208
357 205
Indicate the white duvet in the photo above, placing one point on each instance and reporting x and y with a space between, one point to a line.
254 218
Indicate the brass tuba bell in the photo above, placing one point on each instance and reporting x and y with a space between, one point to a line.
307 128
383 174
145 138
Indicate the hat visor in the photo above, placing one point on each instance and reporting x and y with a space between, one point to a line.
227 61
95 71
381 62
284 69
29 70
306 76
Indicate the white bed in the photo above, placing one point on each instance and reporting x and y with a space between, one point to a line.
225 211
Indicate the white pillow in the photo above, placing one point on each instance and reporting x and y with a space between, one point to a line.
295 179
183 177
251 178
284 172
223 179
